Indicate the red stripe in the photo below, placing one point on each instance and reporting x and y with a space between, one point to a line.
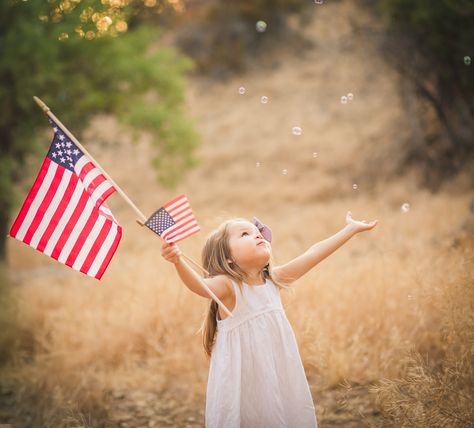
56 218
30 197
70 225
174 200
85 169
82 237
104 196
95 183
185 235
44 204
111 252
96 247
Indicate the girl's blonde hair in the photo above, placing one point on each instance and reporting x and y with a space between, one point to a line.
215 256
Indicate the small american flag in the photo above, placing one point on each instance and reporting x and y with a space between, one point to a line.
64 215
174 221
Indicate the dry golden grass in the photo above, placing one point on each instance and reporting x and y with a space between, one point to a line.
359 316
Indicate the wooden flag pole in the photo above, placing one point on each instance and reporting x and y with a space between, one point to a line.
142 220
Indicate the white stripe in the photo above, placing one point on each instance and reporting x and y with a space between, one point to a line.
104 249
80 164
76 195
90 176
100 190
81 257
178 226
183 235
63 185
45 185
178 217
79 226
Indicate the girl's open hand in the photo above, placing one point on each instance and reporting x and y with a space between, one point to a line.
359 226
170 252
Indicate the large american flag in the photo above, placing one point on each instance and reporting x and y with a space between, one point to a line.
64 215
174 221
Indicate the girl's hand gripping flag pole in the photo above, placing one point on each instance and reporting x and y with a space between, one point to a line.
174 222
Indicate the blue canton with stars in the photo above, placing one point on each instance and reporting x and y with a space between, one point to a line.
63 151
160 221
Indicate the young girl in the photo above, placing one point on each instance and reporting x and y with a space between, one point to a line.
256 376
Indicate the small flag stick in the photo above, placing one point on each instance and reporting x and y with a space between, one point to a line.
50 114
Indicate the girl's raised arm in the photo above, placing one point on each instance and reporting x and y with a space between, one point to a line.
219 284
300 265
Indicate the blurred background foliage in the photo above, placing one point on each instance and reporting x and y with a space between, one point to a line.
431 45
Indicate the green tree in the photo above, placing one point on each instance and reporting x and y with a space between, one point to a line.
79 72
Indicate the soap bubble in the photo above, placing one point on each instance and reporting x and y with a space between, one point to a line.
315 154
261 26
63 36
284 172
355 186
257 164
467 60
264 99
344 99
350 96
319 1
241 90
296 130
405 207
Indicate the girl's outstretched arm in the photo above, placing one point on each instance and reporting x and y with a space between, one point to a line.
300 265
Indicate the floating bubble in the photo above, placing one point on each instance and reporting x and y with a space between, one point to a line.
257 164
319 1
241 90
350 96
261 26
410 297
344 99
315 155
264 99
296 130
355 186
405 207
467 60
284 172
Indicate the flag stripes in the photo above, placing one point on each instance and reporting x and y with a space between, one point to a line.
64 215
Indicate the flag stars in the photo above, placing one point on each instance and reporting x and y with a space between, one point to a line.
60 153
76 152
62 160
61 137
54 154
68 144
58 145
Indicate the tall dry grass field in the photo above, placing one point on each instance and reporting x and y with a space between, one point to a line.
391 309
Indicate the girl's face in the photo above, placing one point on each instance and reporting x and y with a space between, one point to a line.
247 246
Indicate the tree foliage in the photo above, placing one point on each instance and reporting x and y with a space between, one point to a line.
432 45
79 74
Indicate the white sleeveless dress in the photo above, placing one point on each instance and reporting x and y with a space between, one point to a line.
256 376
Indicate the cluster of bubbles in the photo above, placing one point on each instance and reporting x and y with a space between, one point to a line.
264 99
241 90
261 26
346 98
319 1
467 60
405 207
355 186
